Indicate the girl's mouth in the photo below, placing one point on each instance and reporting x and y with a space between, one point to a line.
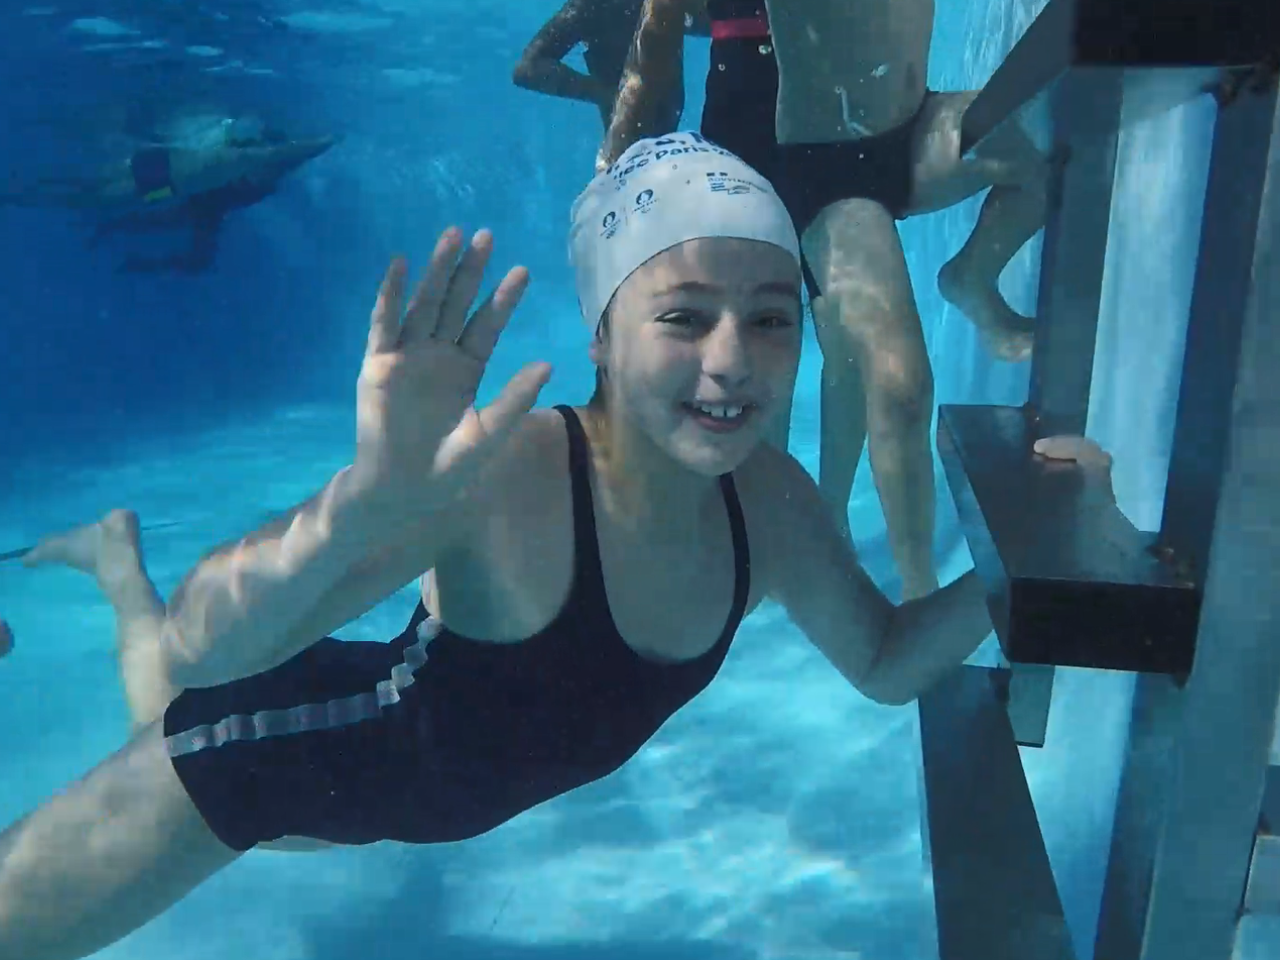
719 417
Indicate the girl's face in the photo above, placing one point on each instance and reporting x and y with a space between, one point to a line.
702 347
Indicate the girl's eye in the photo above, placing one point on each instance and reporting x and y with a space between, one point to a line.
678 319
776 322
685 320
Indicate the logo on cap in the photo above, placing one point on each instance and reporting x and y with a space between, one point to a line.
733 186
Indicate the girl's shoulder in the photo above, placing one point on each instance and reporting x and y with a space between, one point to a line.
534 457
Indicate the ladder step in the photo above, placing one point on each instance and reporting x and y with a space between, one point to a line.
1188 42
1070 581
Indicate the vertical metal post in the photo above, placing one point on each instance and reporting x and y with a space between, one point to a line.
1075 245
1070 297
1191 788
1218 307
1146 770
994 890
1224 740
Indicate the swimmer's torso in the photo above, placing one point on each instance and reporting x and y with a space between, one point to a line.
555 663
586 651
668 599
875 51
191 172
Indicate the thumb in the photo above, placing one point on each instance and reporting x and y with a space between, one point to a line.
516 399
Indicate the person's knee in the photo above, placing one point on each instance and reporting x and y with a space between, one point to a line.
884 349
836 340
900 390
1012 159
1028 171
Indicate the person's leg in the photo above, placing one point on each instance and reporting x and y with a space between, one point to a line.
6 640
1012 213
842 410
876 378
111 552
103 857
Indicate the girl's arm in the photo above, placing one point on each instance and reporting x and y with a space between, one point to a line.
321 565
890 654
541 67
654 68
253 603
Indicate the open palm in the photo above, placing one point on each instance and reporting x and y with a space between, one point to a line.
419 436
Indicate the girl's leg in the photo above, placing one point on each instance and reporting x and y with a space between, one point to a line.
111 552
103 857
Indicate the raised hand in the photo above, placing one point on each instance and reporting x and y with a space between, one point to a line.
419 437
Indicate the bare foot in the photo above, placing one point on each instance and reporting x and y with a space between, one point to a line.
111 551
1007 333
6 640
913 588
106 549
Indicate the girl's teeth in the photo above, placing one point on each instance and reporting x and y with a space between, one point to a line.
720 412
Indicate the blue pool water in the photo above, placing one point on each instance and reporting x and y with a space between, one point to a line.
778 816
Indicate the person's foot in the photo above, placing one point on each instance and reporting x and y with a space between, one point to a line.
108 550
913 588
6 640
1007 333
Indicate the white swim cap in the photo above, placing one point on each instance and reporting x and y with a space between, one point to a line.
660 193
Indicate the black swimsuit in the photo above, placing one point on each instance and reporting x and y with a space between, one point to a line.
434 737
152 173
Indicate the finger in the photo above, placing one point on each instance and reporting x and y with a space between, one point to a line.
516 399
1080 449
423 315
1056 448
481 333
464 286
384 323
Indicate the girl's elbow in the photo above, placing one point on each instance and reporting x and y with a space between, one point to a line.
191 664
882 681
886 692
